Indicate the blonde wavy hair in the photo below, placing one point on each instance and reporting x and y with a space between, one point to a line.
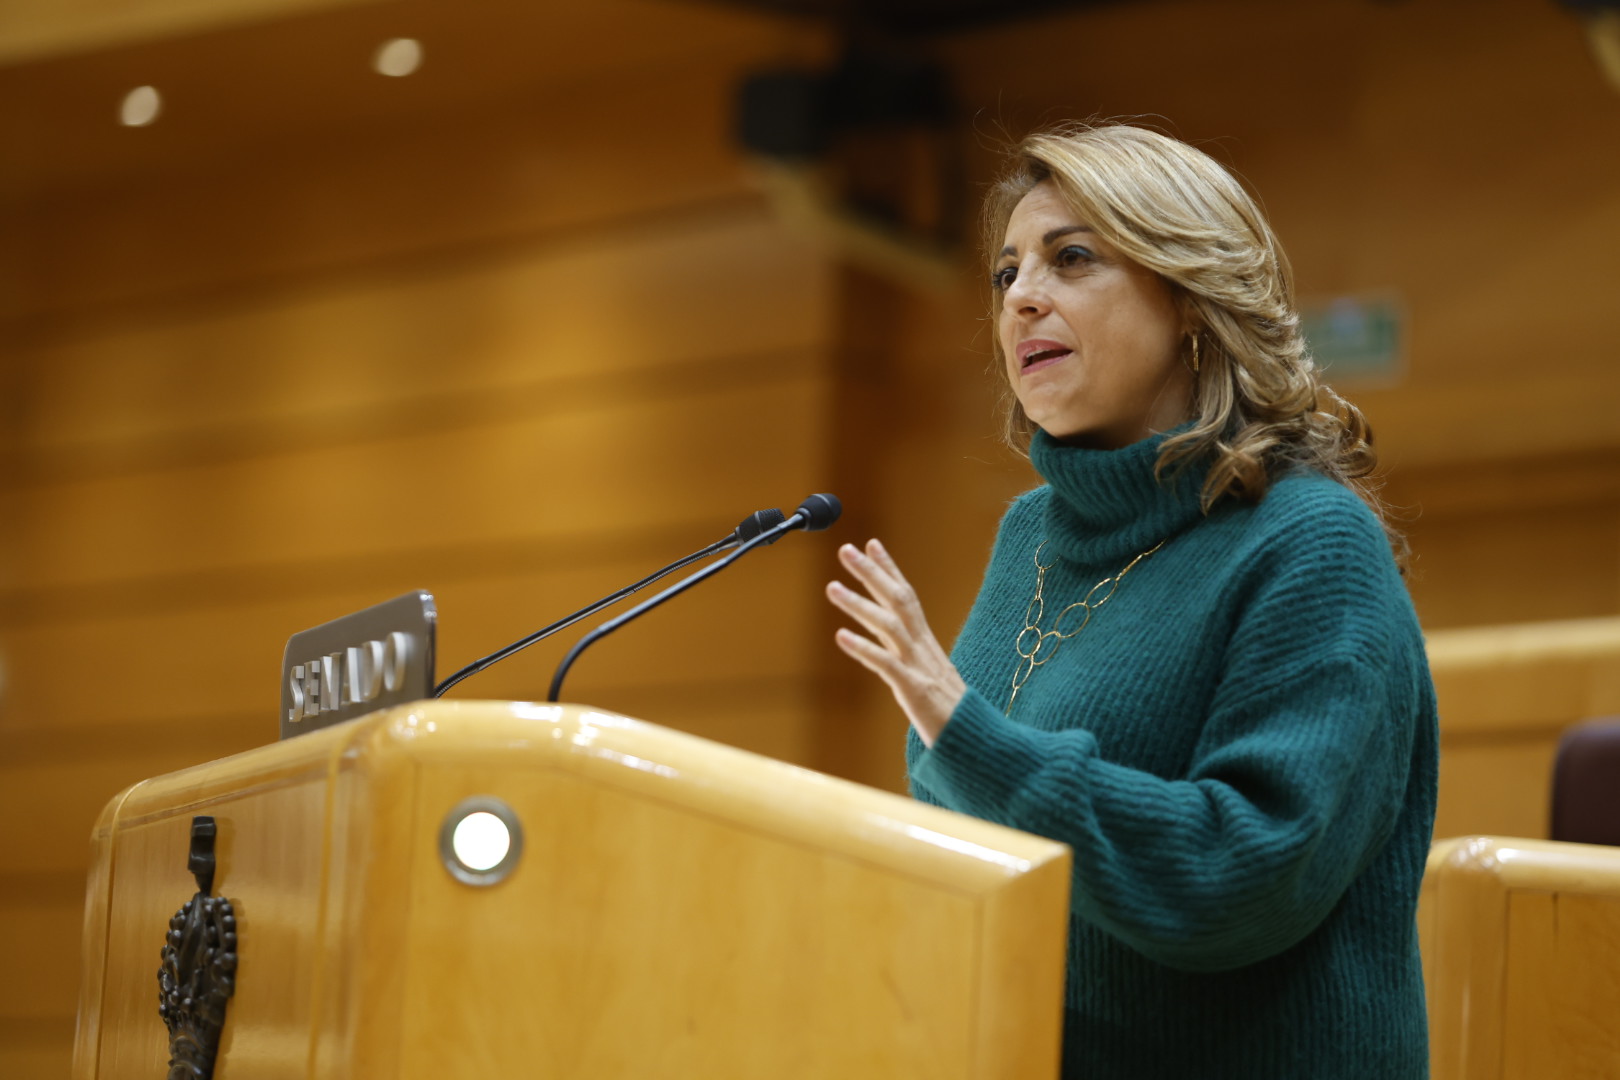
1258 404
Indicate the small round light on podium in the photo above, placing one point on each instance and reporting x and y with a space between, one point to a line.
481 841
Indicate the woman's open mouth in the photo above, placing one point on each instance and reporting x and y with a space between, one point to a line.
1034 355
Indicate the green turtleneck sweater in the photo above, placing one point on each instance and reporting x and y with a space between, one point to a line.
1241 750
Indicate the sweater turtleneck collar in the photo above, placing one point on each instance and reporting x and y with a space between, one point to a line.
1106 506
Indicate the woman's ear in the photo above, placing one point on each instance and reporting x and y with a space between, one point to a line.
1186 310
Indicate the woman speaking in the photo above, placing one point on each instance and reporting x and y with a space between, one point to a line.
1192 658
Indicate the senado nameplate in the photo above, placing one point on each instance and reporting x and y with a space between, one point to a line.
376 657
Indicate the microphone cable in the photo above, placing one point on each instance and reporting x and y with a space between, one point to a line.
747 531
814 514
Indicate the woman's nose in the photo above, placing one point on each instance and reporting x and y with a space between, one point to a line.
1025 296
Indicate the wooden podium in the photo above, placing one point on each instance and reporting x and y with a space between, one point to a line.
1521 954
670 908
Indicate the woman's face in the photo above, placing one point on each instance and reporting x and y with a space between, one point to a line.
1093 342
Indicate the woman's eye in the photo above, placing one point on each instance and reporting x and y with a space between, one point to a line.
1003 278
1073 255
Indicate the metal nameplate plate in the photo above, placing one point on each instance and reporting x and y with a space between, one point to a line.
377 657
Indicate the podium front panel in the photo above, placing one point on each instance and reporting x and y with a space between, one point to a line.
677 908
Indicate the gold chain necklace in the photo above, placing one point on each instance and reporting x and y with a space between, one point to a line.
1032 658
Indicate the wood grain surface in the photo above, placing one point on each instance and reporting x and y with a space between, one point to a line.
679 907
1521 953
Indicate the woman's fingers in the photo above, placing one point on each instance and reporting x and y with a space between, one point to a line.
902 680
905 654
902 597
892 611
879 620
880 555
866 571
870 654
881 578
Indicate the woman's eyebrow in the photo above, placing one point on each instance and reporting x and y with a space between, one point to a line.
1049 236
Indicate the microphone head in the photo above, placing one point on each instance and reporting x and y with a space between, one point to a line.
759 521
820 511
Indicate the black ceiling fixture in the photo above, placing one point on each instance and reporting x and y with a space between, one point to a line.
1602 19
868 152
915 18
797 113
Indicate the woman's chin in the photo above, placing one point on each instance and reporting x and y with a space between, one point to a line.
1071 434
1086 436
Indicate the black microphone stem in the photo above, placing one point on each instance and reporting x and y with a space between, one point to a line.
768 537
562 624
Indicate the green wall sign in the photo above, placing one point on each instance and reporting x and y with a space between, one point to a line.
1359 339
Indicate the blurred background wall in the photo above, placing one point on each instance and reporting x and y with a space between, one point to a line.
529 320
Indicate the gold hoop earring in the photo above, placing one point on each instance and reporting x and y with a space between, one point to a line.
1195 353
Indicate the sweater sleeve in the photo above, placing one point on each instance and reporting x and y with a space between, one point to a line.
914 754
1297 778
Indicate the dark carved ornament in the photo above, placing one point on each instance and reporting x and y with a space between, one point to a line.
198 975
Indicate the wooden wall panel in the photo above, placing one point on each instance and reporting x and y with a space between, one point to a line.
34 28
568 313
263 92
43 991
1495 787
616 468
514 178
1531 540
224 659
1512 566
53 853
1507 695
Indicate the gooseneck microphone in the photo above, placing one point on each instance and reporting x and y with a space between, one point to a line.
750 528
814 514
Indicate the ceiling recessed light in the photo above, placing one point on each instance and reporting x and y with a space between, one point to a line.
398 57
140 107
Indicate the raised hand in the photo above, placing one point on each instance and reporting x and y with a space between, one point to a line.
905 652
